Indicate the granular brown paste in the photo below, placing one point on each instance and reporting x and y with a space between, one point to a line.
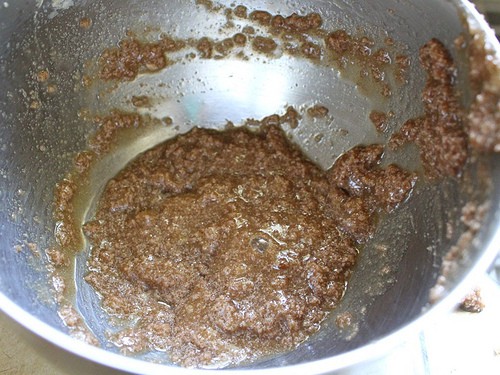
440 132
133 57
472 302
230 245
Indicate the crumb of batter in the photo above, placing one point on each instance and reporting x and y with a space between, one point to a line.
290 118
141 101
264 45
205 47
225 46
250 30
296 23
239 39
51 89
473 302
241 11
261 16
168 121
379 120
43 75
318 111
311 50
85 23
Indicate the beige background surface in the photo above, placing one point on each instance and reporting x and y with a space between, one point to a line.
23 353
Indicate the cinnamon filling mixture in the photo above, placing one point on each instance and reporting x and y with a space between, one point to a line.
233 242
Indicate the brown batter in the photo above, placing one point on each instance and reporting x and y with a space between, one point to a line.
379 120
234 243
133 57
473 302
440 132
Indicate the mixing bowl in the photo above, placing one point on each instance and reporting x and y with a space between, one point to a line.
405 276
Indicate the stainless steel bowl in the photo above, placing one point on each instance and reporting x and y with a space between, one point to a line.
40 133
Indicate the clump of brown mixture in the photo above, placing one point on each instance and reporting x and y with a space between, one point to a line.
131 57
472 302
233 242
440 132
